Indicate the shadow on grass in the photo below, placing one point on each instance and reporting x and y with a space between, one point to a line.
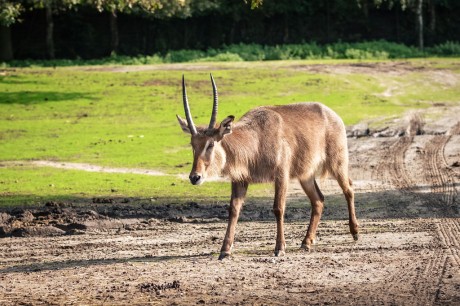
36 97
17 80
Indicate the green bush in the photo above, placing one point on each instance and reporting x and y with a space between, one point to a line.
252 52
221 57
248 52
448 48
181 56
365 54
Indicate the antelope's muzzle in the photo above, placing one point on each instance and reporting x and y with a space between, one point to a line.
196 179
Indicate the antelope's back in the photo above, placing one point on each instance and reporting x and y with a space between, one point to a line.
309 134
310 116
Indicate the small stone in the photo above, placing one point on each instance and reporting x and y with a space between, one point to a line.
26 216
4 218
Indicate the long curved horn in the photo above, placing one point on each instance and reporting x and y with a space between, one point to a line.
214 105
188 115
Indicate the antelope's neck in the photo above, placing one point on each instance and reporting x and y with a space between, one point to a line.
237 151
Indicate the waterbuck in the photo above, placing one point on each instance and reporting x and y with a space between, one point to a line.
272 144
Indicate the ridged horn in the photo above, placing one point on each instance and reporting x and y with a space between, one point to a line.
214 105
188 115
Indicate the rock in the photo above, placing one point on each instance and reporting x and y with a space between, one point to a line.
401 133
359 130
4 218
179 219
91 213
386 133
26 216
5 230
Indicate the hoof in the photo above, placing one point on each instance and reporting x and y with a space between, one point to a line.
355 237
305 247
280 253
223 255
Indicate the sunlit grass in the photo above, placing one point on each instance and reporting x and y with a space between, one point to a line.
29 185
127 119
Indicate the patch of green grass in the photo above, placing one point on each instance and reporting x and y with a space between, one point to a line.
23 185
121 117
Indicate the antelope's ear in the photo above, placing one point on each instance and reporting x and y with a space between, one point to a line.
226 126
183 124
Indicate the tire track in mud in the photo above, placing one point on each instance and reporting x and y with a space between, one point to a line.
442 258
449 232
439 175
391 167
418 280
415 281
455 130
398 173
442 180
428 280
443 194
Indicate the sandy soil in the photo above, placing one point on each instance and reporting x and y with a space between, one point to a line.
113 252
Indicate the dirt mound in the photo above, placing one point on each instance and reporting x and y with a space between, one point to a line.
54 220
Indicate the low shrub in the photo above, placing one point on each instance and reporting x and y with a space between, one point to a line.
448 48
221 57
181 56
253 52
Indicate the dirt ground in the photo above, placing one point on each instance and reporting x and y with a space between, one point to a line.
113 252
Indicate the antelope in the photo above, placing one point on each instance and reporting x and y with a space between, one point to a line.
272 144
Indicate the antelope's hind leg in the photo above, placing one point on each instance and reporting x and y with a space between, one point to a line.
279 205
346 185
317 203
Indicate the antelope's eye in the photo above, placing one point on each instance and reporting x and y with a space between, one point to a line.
210 146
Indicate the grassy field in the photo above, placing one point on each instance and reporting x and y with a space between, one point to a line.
125 117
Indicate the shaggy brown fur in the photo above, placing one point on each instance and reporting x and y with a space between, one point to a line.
275 144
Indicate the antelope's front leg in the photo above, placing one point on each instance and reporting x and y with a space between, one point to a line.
238 194
279 205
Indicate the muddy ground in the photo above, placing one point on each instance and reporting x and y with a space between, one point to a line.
134 251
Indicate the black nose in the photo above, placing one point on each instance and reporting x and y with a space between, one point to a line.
194 178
